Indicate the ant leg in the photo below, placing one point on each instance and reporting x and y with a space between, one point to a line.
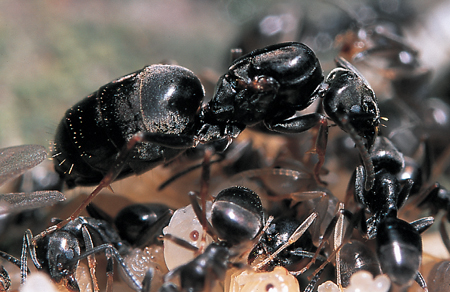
27 244
421 281
356 189
404 192
313 283
132 281
5 280
302 124
204 182
169 140
23 261
363 151
307 254
293 238
426 197
256 173
344 236
201 216
324 239
184 172
11 259
92 262
200 211
147 281
338 241
181 242
422 224
320 148
109 270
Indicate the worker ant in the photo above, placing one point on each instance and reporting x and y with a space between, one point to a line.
58 253
115 132
399 245
237 222
267 85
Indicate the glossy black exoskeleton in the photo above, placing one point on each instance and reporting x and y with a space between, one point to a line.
58 254
161 99
277 235
162 102
237 218
269 85
399 245
141 224
356 256
203 270
137 224
149 117
237 215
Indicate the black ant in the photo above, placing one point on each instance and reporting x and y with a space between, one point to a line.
399 245
237 218
237 223
137 224
59 253
356 256
99 138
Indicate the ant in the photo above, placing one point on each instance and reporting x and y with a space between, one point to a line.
59 253
137 224
356 256
149 117
237 221
399 245
236 217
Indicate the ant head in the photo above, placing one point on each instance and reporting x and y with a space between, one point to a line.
349 95
62 248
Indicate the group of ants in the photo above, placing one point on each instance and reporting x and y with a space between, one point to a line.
153 116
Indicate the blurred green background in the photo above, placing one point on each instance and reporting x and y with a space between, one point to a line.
55 52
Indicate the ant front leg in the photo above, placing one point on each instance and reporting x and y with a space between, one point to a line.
5 280
92 262
112 253
302 124
27 245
